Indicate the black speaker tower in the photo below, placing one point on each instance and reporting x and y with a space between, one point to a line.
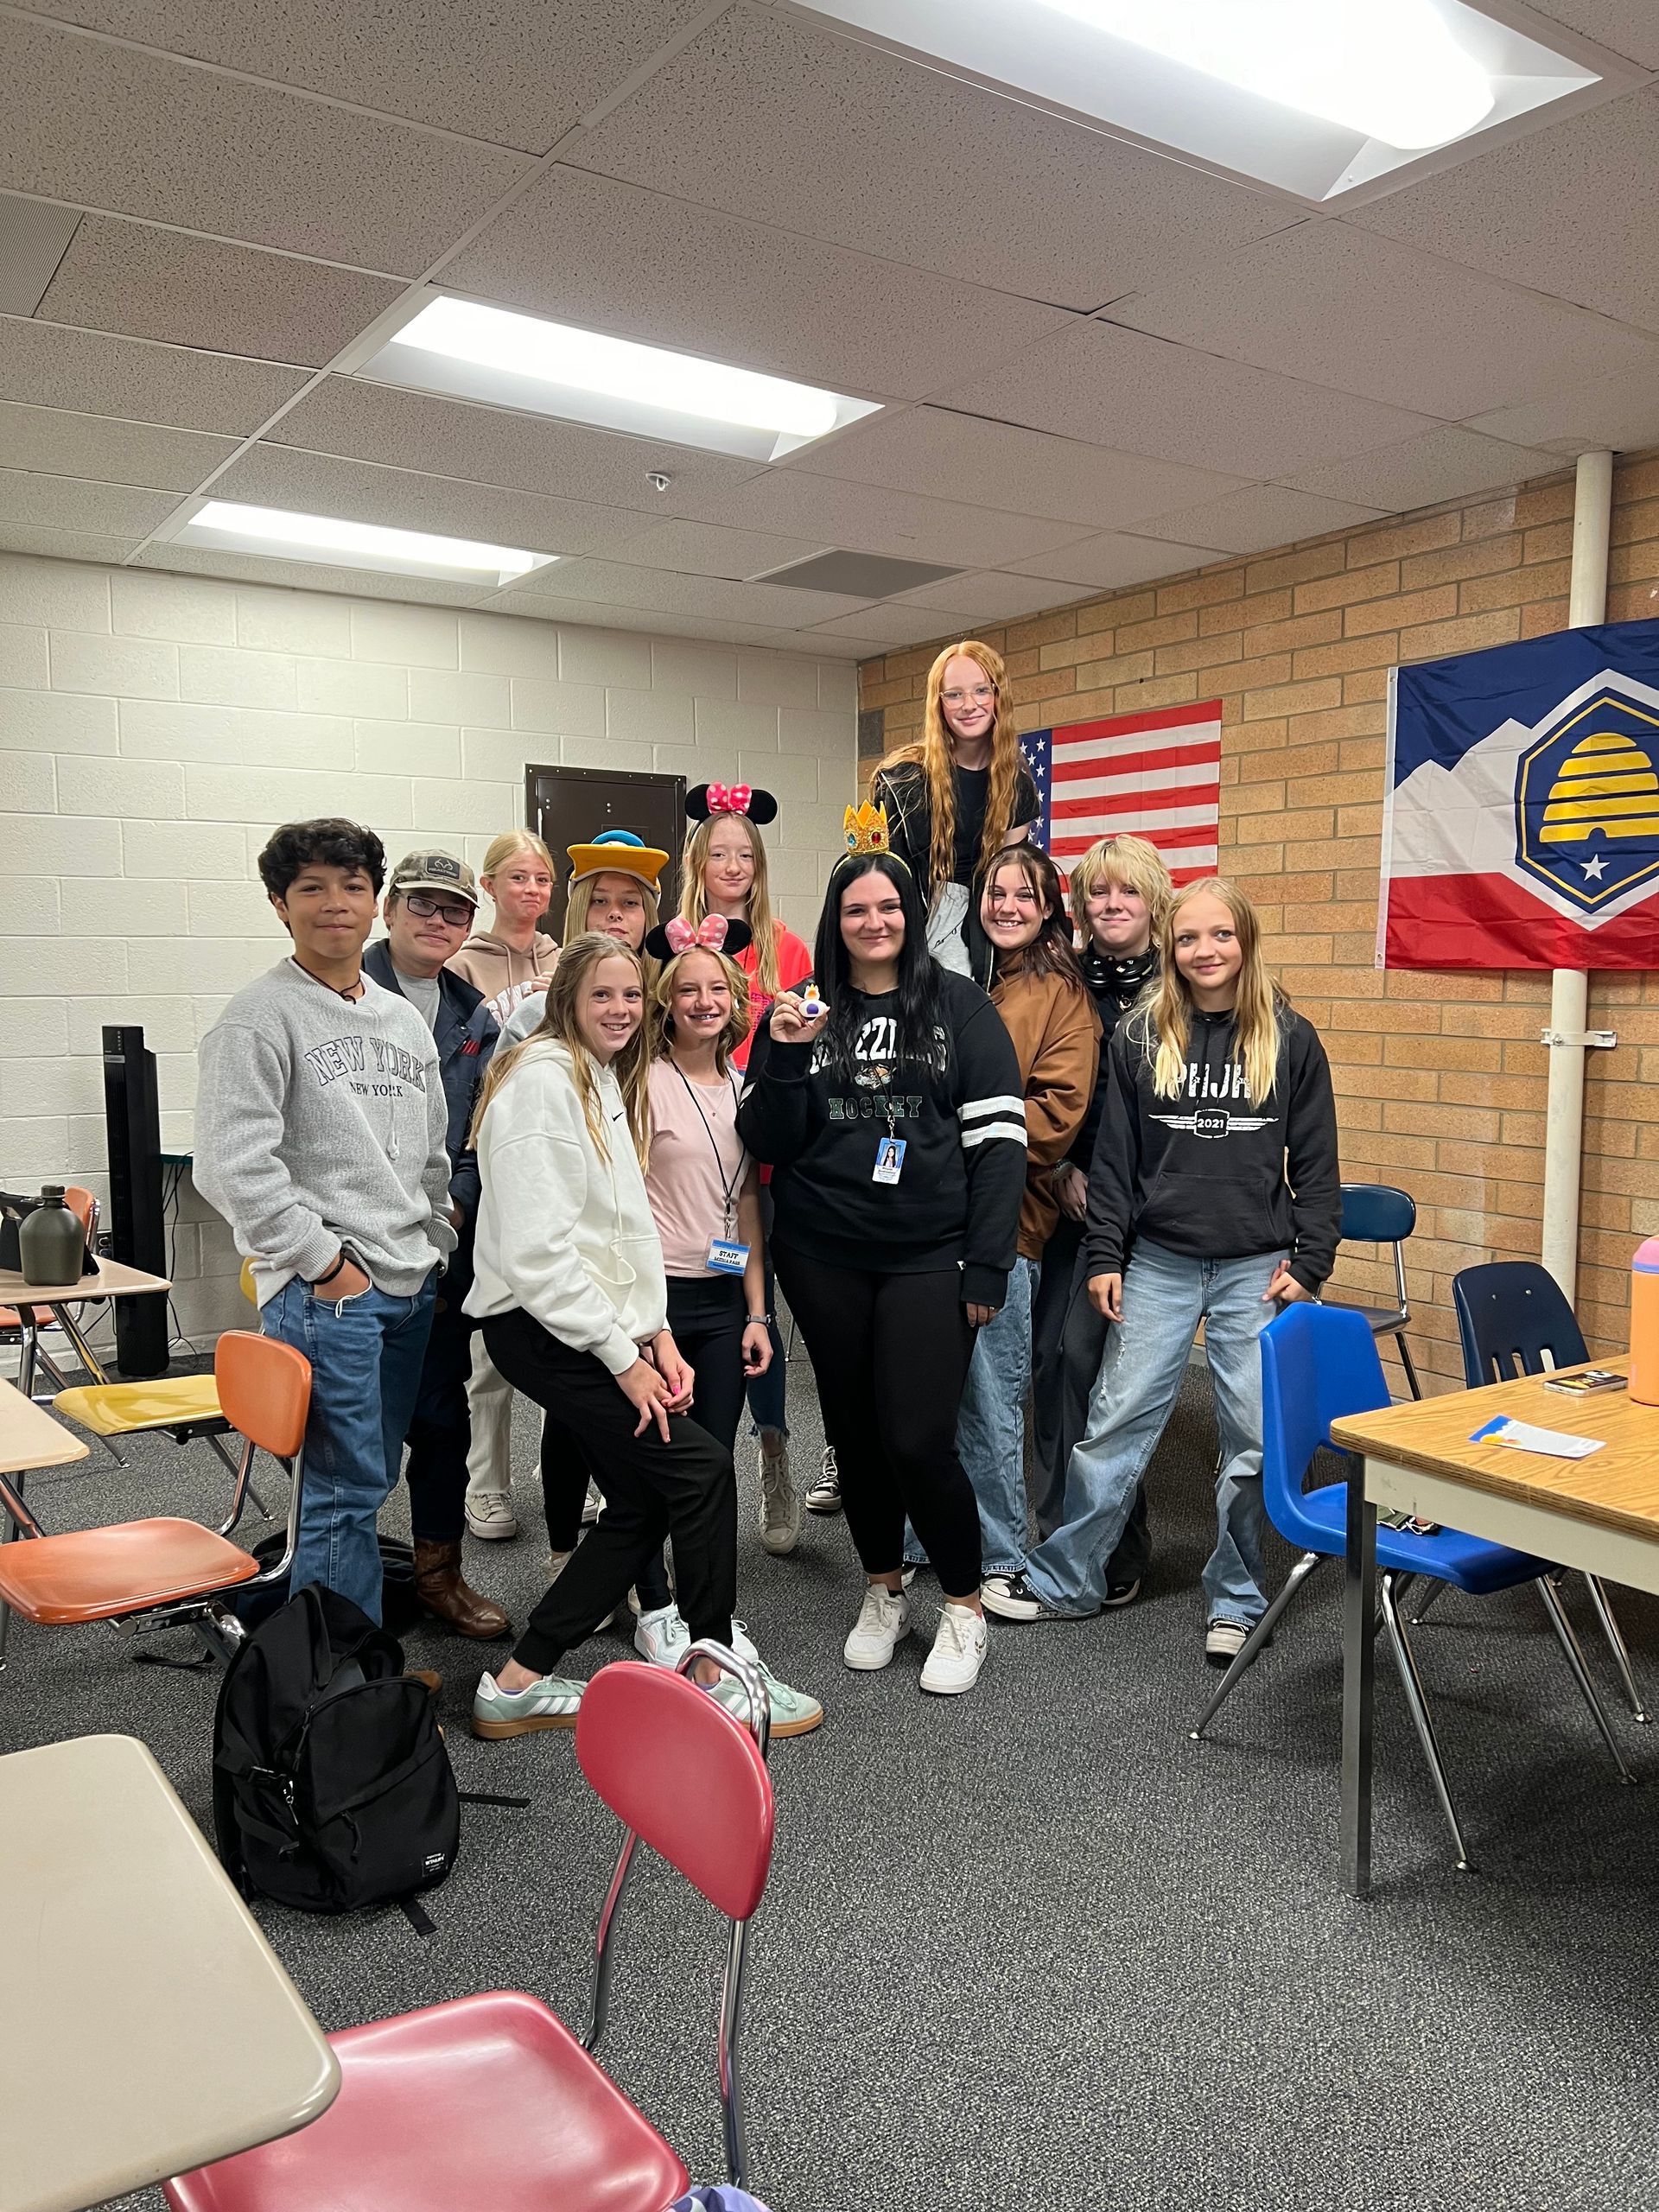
133 1121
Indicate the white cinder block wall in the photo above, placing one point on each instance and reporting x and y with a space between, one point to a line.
155 729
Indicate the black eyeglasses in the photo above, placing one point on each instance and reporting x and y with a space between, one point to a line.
453 911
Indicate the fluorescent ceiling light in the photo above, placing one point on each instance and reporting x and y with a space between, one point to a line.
1321 99
1389 69
234 528
473 351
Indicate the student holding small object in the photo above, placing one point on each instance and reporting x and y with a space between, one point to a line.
705 1198
570 1288
890 1114
1214 1196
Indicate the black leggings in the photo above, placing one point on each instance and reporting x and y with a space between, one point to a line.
683 1487
707 1315
890 1354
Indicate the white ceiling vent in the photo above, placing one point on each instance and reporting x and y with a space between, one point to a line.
861 576
34 239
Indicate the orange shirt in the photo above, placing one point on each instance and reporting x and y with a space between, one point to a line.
794 966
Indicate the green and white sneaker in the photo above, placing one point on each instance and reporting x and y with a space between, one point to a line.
794 1713
550 1701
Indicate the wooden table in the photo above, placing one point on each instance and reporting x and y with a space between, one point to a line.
148 2026
29 1437
1600 1513
109 1279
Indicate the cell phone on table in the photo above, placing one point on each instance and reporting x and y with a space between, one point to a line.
1585 1384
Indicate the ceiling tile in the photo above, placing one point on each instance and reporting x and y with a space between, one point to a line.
153 283
608 583
1621 412
1000 465
878 519
133 133
770 117
1349 309
597 614
1626 26
878 627
140 383
613 257
1446 465
1593 172
488 445
66 504
33 239
58 444
1116 387
703 549
64 544
275 476
517 73
991 595
1260 516
304 575
1111 560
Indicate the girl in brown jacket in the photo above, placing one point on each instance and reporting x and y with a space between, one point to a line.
1038 988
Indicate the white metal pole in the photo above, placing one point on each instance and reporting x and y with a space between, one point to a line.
1569 994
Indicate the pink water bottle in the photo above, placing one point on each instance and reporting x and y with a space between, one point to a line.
1644 1324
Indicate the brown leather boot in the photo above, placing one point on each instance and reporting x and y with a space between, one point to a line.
441 1588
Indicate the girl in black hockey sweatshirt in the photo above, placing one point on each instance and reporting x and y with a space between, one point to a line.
893 1120
1215 1196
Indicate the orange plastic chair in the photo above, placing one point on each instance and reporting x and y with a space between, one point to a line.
490 2100
164 1572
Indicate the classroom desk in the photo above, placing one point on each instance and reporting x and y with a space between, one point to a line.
29 1437
148 2025
1600 1514
108 1278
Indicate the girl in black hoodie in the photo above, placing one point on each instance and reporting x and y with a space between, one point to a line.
1215 1196
893 1120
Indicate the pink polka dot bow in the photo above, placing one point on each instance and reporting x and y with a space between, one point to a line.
709 934
729 798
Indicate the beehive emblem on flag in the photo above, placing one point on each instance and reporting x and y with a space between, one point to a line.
1586 803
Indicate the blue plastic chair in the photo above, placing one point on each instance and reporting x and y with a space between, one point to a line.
1377 1213
1320 1362
1514 1320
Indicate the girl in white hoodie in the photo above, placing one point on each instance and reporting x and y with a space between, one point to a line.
570 1288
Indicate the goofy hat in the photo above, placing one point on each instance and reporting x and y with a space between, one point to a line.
617 852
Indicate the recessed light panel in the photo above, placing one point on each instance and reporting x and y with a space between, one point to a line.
1320 98
473 351
229 527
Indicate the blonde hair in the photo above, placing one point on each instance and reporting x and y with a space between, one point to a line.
694 901
933 752
1131 862
566 988
509 845
662 1007
581 893
1164 1018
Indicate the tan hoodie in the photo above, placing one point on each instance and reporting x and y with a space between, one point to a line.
1056 1034
489 964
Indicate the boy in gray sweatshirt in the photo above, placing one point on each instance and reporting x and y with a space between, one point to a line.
321 1128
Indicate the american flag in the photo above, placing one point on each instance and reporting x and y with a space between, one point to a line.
1156 776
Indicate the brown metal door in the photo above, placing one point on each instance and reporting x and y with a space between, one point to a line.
571 806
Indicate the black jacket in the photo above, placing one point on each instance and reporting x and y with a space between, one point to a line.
1206 1173
1113 985
466 1034
963 1123
902 789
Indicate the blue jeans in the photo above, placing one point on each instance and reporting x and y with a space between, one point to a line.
365 1355
1165 1298
991 1426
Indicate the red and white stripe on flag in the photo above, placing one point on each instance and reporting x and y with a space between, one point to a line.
1156 776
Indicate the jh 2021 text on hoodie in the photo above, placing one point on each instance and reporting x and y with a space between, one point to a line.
1206 1174
963 1120
321 1121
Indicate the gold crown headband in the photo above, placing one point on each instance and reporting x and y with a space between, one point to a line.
865 831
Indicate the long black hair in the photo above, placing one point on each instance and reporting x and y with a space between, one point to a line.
917 981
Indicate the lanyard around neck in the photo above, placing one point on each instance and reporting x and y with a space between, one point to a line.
728 1186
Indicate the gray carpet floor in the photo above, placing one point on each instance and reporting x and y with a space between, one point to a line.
1035 1948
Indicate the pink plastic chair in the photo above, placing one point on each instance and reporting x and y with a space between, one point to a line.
490 2101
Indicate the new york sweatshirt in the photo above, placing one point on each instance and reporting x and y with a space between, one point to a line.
1207 1175
961 1118
321 1121
563 1230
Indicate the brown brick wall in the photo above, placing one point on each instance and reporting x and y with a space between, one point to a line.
1441 1078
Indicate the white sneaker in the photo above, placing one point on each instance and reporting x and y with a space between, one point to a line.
662 1637
592 1506
958 1651
490 1514
883 1622
780 1507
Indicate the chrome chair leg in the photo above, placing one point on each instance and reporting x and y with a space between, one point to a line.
1432 1597
1616 1644
1569 1641
1405 1362
1257 1637
1417 1701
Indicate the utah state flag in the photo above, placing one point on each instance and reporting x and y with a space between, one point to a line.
1522 823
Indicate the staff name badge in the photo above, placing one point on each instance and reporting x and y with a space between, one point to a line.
726 1257
889 1159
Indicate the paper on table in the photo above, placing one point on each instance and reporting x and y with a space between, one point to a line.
1522 1436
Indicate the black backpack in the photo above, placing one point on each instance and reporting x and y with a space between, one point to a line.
332 1787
